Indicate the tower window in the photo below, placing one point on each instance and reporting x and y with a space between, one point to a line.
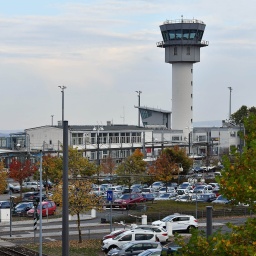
191 95
175 51
191 70
188 50
191 108
191 83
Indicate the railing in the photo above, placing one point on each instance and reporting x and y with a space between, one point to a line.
183 21
182 42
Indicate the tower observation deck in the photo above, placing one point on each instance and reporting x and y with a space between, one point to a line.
182 40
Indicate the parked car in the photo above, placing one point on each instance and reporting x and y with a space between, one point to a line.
31 196
221 200
134 248
113 234
164 190
22 208
157 185
161 233
179 222
207 197
171 250
128 236
151 252
149 196
5 204
31 185
147 190
202 189
126 201
13 187
166 196
48 208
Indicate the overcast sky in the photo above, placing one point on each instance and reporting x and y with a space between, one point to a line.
105 50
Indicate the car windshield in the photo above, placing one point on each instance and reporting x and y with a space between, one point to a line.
127 196
20 206
166 195
118 236
167 218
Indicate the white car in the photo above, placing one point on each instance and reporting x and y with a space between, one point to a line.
166 196
179 222
128 236
32 185
164 190
160 232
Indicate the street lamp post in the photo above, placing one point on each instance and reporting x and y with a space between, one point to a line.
139 92
193 181
62 91
98 129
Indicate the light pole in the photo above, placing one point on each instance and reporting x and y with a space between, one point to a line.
193 181
139 92
98 129
52 119
230 90
62 91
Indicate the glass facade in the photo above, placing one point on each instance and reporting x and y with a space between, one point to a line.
182 34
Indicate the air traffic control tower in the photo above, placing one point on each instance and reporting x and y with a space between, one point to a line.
182 40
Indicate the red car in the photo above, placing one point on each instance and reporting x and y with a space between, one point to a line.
48 208
126 201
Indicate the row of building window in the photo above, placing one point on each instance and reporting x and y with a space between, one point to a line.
104 138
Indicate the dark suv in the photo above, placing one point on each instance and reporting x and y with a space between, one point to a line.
31 196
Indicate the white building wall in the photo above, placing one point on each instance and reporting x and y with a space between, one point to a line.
45 138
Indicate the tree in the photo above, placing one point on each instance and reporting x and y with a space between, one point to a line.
133 167
241 114
238 183
3 177
19 171
164 168
238 180
78 165
52 169
240 241
168 164
108 165
81 199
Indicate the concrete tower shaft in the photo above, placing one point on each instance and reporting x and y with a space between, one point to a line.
182 40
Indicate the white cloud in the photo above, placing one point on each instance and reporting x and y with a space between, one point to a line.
105 50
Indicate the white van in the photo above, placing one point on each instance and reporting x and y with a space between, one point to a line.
128 236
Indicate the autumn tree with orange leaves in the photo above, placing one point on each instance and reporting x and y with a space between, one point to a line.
167 165
107 165
19 171
132 169
3 176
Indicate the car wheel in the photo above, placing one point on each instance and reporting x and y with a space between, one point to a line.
111 247
32 189
190 228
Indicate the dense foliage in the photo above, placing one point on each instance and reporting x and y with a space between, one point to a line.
238 183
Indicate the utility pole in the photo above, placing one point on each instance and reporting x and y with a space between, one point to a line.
139 92
62 91
230 90
52 119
